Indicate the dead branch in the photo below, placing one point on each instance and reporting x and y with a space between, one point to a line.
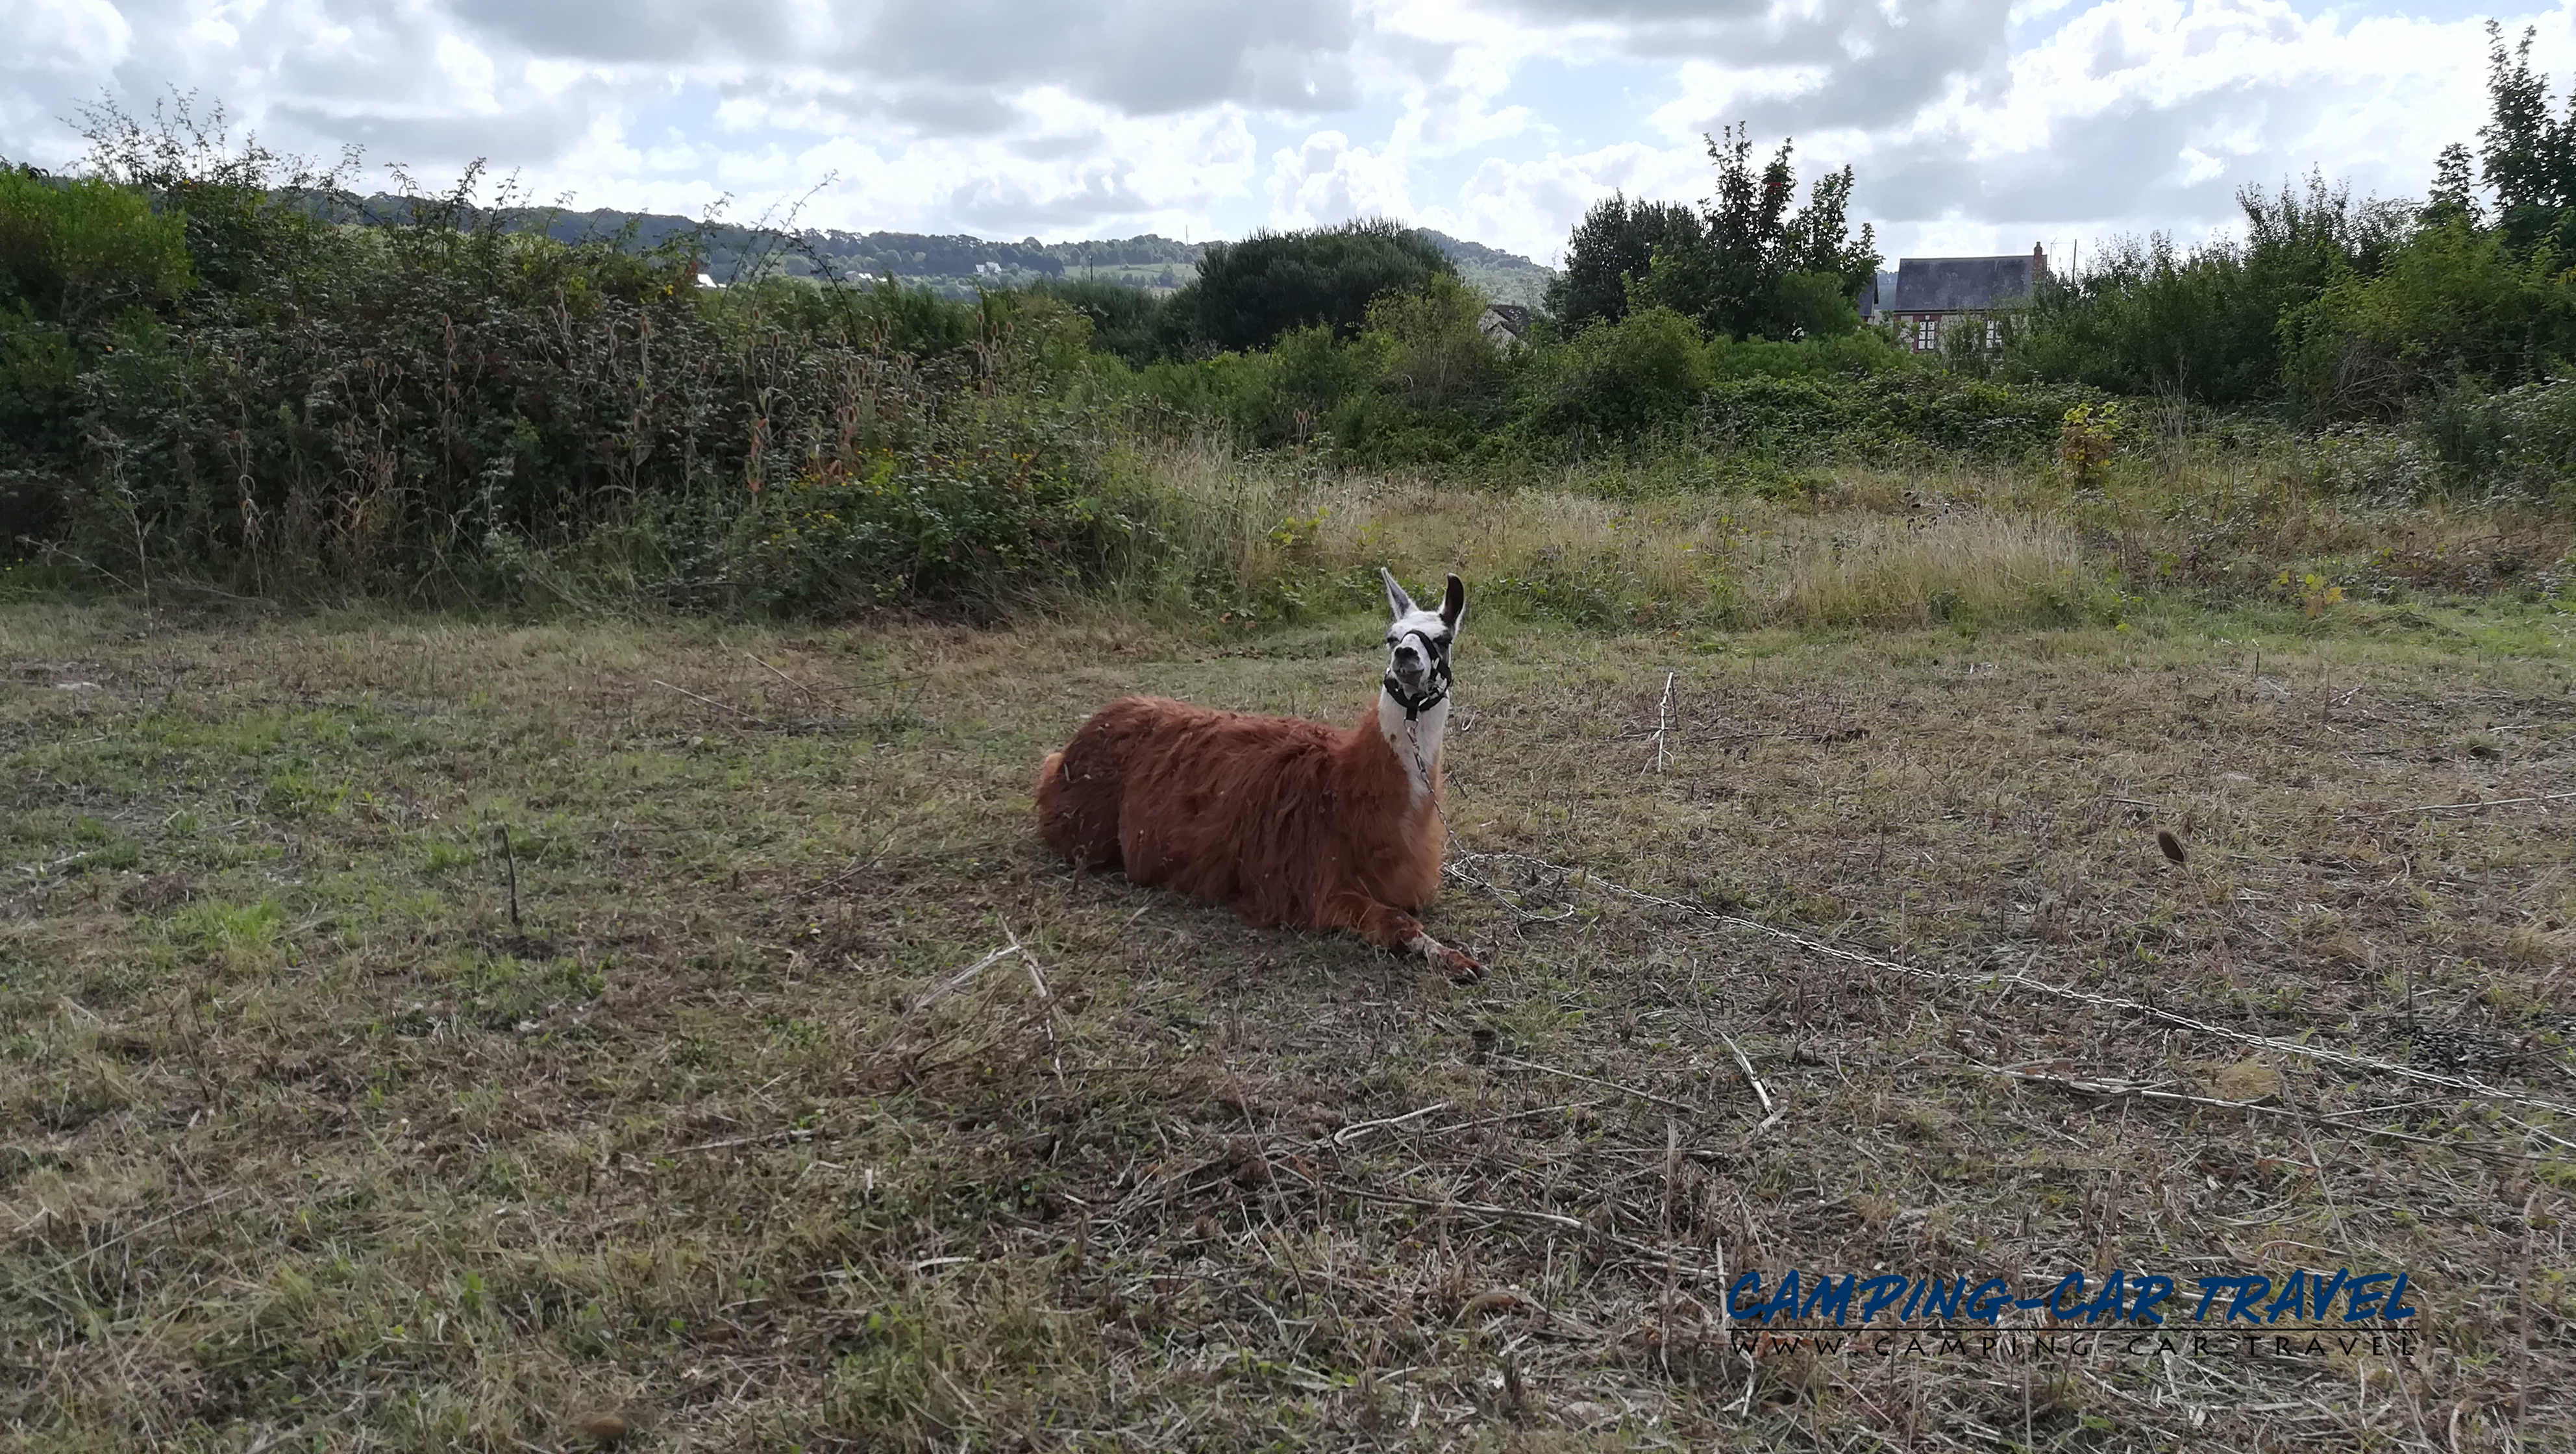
1604 1084
1770 1117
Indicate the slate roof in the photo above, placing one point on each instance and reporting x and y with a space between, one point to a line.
1961 284
1874 295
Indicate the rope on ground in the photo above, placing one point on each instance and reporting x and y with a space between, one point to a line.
2320 1053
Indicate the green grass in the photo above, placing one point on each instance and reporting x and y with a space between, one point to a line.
310 1146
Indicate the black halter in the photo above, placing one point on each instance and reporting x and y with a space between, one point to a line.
1436 649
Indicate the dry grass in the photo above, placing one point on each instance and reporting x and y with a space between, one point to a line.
1977 546
309 1146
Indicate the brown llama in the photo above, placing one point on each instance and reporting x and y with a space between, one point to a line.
1291 822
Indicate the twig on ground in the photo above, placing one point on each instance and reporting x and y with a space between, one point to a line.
1557 1220
1514 1116
1663 719
2127 1090
710 701
76 1259
2447 807
1348 1134
510 864
800 687
963 977
1770 1117
1604 1084
789 1133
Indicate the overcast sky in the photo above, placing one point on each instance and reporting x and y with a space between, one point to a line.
1975 125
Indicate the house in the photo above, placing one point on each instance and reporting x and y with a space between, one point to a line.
1873 296
1936 296
1504 324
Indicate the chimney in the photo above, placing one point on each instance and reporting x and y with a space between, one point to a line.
2038 261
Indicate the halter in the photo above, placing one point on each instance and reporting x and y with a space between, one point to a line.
1435 649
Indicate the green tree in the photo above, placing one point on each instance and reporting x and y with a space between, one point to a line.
2528 157
2454 196
1250 292
1732 275
1614 244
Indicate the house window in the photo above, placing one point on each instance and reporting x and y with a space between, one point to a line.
1994 333
1927 333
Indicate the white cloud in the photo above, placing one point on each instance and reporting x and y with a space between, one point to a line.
61 38
1329 180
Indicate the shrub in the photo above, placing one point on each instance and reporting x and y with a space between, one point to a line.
2453 304
2205 324
1134 325
2522 440
1618 380
77 252
79 260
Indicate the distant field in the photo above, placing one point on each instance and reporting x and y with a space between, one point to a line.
739 1127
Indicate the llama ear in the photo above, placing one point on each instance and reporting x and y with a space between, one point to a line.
1396 600
1454 602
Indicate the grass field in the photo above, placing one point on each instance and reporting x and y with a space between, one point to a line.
795 1098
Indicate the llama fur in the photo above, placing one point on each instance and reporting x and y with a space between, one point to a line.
1294 823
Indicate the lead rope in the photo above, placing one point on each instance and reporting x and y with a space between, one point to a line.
1413 734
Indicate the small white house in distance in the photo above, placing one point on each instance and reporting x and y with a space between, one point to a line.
1934 296
707 282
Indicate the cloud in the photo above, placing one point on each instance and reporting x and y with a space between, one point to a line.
1328 180
61 37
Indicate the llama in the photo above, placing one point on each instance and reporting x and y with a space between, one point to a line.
1291 822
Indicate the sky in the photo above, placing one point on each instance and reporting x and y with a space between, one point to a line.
1973 126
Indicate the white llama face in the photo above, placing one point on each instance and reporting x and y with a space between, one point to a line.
1418 641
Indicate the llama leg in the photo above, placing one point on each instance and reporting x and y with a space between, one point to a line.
1389 927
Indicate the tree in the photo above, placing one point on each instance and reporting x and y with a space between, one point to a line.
2454 195
1730 276
2529 159
1613 244
1250 292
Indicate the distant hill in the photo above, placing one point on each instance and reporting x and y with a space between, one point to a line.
958 264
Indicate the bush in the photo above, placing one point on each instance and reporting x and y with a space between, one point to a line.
2206 324
77 252
434 403
2522 440
79 261
1134 325
1618 380
1882 416
2452 306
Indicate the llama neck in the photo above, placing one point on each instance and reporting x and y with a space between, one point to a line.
1415 743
